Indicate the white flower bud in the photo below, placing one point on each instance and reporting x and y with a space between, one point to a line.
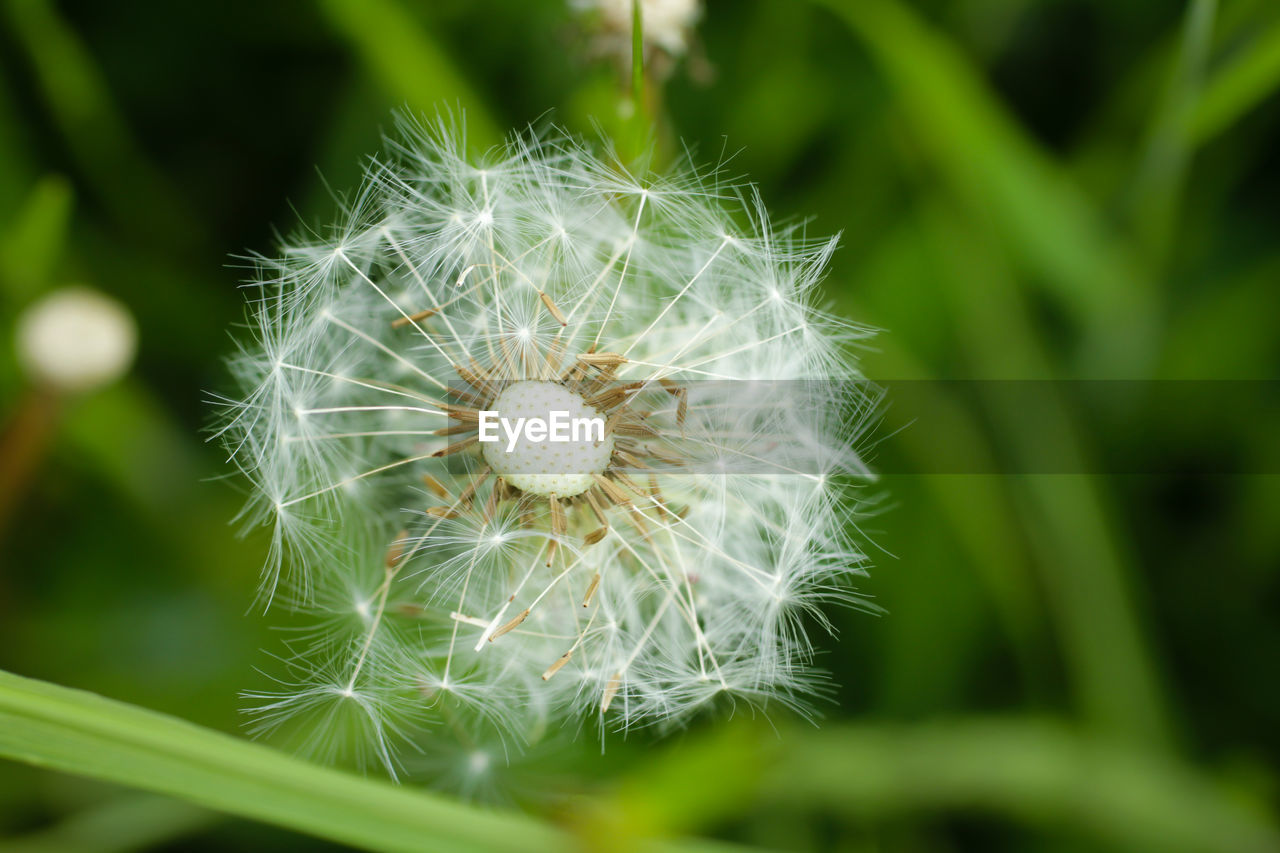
76 339
667 23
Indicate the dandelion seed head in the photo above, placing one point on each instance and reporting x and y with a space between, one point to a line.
631 580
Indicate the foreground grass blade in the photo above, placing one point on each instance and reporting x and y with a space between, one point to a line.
85 734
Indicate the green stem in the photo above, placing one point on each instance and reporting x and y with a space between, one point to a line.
637 52
643 118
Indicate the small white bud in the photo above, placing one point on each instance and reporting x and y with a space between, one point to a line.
76 339
667 23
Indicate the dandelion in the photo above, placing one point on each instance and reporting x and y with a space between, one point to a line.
76 339
623 577
69 342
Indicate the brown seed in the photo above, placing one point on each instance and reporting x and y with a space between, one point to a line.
591 589
474 379
557 666
467 398
462 413
470 491
443 512
666 459
551 306
610 488
603 359
454 429
491 502
607 399
559 524
610 691
602 498
413 318
629 483
595 536
636 429
510 626
457 446
595 508
396 550
628 459
611 397
437 488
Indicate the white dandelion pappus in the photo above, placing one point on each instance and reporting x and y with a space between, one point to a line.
627 581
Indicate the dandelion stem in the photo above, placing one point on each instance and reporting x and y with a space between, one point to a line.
637 53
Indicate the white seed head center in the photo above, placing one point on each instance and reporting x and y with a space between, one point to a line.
545 467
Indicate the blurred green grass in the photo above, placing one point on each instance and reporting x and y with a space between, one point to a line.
1043 190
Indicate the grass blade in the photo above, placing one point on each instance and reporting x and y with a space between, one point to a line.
96 132
1162 172
410 67
999 171
1244 82
85 734
1037 773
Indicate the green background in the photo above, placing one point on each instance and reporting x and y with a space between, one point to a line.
1069 189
